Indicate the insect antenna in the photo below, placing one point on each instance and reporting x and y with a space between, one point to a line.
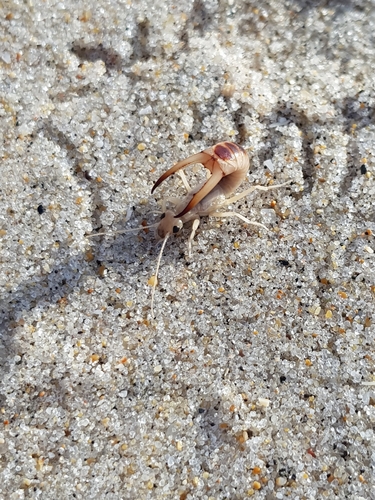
123 231
156 275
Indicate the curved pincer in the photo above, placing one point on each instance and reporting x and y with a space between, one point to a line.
197 158
228 163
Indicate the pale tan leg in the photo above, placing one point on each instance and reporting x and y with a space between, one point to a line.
235 214
184 180
250 190
194 228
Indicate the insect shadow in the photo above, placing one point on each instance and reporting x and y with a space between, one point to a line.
93 53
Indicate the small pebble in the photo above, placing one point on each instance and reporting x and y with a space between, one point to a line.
280 481
264 402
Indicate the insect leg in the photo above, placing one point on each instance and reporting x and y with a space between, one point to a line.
235 214
229 201
184 180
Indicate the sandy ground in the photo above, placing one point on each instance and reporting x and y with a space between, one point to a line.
256 376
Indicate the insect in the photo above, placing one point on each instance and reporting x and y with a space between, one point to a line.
229 164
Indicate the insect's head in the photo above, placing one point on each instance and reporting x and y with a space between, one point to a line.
168 225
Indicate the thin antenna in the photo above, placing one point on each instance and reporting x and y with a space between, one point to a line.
123 231
156 275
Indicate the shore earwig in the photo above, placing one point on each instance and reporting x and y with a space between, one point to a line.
229 165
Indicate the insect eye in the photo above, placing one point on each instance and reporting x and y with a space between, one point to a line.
175 229
162 216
